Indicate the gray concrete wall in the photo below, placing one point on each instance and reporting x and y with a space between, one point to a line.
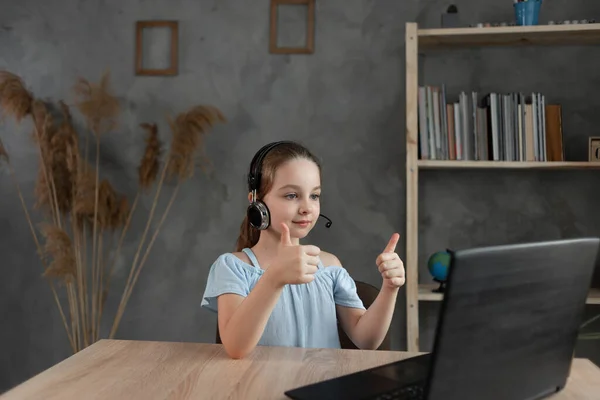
346 101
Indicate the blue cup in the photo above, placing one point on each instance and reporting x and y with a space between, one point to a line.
527 12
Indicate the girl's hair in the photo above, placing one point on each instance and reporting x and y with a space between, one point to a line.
276 157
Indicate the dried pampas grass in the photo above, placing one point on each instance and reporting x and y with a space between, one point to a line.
42 192
85 188
147 173
15 99
4 155
71 141
59 250
59 168
112 209
97 104
148 169
69 188
100 108
43 123
188 131
120 214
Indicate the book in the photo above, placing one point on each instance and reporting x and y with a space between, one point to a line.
495 126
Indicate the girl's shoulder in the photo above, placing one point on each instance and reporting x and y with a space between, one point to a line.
242 256
333 267
241 260
237 262
329 259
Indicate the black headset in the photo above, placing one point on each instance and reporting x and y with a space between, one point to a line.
258 212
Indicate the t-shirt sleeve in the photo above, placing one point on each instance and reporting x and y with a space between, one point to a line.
224 276
344 290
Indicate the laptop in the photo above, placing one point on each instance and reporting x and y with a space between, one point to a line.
507 329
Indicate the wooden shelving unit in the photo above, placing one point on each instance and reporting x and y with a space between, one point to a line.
419 40
579 34
426 294
444 164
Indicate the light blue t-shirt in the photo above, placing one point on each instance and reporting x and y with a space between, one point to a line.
304 315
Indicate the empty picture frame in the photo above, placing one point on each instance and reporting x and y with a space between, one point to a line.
173 56
310 28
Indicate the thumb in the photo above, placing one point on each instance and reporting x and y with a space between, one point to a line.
391 246
285 235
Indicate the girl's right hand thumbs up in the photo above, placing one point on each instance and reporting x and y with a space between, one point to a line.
294 264
285 235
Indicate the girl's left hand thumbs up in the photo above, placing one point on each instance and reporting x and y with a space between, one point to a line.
389 264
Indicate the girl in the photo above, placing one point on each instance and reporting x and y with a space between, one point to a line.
274 291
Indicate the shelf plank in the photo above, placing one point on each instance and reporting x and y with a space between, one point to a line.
412 188
444 164
510 36
426 294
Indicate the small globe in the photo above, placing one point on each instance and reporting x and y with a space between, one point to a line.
438 265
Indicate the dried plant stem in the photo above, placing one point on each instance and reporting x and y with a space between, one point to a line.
104 279
85 279
79 237
73 291
162 220
49 176
94 238
74 315
99 280
123 232
58 221
123 301
118 250
72 312
47 182
99 289
96 288
74 297
40 253
80 280
84 256
78 316
87 149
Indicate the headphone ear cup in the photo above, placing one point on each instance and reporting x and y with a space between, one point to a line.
258 215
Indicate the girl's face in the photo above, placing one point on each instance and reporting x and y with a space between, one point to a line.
294 198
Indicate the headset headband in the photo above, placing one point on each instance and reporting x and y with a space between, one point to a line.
256 165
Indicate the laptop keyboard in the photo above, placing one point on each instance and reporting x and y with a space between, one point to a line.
414 392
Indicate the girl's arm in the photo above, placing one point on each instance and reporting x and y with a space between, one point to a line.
367 329
242 320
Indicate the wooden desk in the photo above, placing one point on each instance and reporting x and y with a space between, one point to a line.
112 369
